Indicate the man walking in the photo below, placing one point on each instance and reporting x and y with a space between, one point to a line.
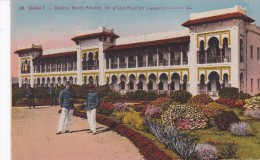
30 96
52 94
92 102
67 99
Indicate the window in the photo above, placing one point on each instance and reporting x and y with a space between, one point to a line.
251 51
252 85
258 54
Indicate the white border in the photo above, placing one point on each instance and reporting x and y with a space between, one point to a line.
5 81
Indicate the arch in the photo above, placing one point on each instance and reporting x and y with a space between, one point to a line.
241 50
85 79
185 79
175 81
122 82
152 82
75 80
241 82
48 81
214 84
53 80
90 80
132 80
213 50
43 81
84 56
114 84
163 84
90 56
59 81
64 80
141 82
71 80
225 80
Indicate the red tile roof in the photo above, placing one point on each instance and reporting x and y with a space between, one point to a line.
28 50
227 16
56 55
149 43
92 35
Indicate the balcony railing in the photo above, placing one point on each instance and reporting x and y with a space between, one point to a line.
213 59
185 61
175 62
142 64
131 64
87 66
122 65
152 63
163 62
114 66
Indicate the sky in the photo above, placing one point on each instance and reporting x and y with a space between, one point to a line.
53 28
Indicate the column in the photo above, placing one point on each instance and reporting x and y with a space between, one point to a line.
127 60
79 66
67 61
109 63
136 60
118 61
157 57
181 58
169 58
19 73
31 72
221 59
146 59
206 56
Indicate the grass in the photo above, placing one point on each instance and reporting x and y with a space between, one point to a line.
248 147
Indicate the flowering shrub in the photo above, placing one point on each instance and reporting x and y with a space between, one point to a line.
113 97
153 112
240 129
229 92
134 119
130 96
238 103
120 107
184 117
172 138
224 120
106 108
206 152
161 101
201 99
181 96
253 113
252 103
213 109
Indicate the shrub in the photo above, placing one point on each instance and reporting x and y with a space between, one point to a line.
140 95
244 96
181 96
134 119
103 90
151 96
172 138
161 101
258 94
113 97
120 107
206 152
184 117
213 109
240 129
253 113
252 103
153 112
229 92
119 116
130 96
202 99
106 108
224 120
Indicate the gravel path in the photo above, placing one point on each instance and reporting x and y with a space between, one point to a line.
34 138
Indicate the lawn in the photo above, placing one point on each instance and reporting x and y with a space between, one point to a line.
248 147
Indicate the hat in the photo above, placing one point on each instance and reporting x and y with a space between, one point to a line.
91 86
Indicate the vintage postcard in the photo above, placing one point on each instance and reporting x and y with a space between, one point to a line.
134 80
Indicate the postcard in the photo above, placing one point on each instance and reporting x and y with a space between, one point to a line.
134 80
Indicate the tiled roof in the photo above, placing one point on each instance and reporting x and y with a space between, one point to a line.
56 55
226 16
92 35
28 50
149 43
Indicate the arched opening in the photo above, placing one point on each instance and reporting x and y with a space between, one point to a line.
43 82
64 80
225 80
59 81
214 84
185 78
225 51
71 80
48 81
114 82
152 82
90 61
163 84
213 50
96 61
241 51
53 80
132 80
85 79
202 85
75 80
90 80
122 82
241 82
175 81
202 53
97 80
141 82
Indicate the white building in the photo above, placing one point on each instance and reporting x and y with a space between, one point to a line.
217 49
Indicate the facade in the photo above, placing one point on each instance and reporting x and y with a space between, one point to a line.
216 49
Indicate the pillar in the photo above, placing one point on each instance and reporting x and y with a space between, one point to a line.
146 59
79 66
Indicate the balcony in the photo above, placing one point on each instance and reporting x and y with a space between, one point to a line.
131 64
163 62
152 63
114 66
205 57
175 61
141 64
88 66
122 65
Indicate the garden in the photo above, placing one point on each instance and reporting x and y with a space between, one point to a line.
180 126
